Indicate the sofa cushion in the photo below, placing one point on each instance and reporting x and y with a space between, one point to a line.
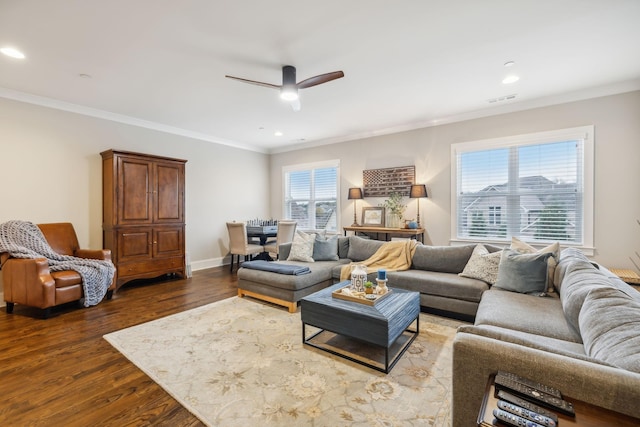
567 256
552 261
552 345
447 285
320 271
361 249
609 322
482 265
325 248
580 278
66 278
343 247
302 247
445 259
520 312
524 273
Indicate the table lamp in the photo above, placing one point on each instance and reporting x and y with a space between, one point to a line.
355 193
418 191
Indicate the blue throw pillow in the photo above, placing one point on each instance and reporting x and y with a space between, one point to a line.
524 273
325 249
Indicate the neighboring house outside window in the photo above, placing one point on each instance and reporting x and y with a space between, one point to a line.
311 195
537 187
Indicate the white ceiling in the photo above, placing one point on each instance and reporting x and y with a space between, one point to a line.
407 63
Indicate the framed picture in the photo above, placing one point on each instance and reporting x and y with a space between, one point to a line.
373 217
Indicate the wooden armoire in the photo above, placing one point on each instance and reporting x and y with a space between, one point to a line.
143 214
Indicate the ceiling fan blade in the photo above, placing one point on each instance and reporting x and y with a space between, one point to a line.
295 105
253 82
318 80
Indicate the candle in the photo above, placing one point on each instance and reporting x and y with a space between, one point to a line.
382 274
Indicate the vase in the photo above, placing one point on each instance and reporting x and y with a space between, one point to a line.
393 221
358 277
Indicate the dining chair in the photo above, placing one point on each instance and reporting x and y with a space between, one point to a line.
238 243
286 231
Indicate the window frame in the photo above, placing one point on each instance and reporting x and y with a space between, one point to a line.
584 133
311 167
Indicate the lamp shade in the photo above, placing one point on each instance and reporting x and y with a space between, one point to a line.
355 193
418 191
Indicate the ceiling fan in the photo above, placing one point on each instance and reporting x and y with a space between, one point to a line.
289 87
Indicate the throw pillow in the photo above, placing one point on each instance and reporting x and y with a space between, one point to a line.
302 247
524 273
325 249
552 261
609 325
482 265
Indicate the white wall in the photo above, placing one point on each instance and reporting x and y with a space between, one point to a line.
51 171
617 166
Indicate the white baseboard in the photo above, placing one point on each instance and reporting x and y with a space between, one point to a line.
209 263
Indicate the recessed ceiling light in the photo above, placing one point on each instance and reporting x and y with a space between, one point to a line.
510 79
278 133
12 52
509 64
84 76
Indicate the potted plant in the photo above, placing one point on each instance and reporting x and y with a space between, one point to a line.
395 207
368 287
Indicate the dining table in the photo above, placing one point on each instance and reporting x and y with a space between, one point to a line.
263 236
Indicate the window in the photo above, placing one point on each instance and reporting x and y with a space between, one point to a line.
311 195
495 215
537 187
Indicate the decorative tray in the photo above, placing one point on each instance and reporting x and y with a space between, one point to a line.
359 297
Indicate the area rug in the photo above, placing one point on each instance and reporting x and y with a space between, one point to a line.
239 362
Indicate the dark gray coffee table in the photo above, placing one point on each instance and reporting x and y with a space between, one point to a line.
380 325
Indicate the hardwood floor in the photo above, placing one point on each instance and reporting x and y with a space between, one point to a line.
60 371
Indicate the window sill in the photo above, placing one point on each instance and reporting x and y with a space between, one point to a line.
587 250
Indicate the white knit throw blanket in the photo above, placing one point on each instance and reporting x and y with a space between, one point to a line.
22 239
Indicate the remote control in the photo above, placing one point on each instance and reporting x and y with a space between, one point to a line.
513 420
525 413
530 383
506 396
544 399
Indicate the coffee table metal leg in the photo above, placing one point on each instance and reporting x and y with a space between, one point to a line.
387 367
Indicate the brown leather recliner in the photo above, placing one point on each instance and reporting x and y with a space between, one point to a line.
29 281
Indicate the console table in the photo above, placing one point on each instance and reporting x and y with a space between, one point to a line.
412 233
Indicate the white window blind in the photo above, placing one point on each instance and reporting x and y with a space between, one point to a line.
310 195
536 187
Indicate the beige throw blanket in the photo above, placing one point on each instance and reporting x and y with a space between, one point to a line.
392 256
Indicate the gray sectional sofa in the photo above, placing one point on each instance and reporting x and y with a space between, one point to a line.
434 273
583 340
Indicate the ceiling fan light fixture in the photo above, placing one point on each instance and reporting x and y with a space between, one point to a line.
289 93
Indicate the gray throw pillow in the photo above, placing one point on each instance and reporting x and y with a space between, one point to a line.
325 249
552 261
524 273
609 324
